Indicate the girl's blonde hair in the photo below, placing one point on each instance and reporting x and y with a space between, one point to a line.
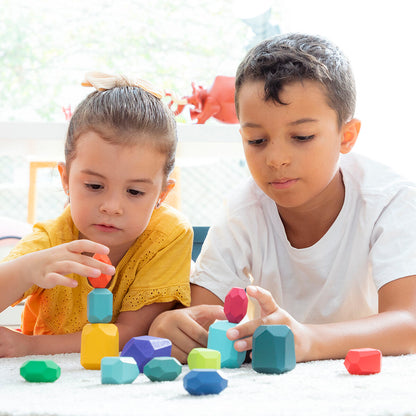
125 115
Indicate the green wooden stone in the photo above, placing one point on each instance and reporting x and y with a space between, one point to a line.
40 371
162 369
201 358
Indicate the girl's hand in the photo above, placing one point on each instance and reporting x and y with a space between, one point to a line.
47 268
13 343
271 314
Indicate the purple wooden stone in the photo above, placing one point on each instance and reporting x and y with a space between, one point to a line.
146 347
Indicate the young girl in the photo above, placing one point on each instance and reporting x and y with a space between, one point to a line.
119 151
329 241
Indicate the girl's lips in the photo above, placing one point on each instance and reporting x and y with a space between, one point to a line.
106 228
283 183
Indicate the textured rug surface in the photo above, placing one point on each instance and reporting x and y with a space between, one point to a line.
315 388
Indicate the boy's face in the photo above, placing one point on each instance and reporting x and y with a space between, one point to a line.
292 150
113 190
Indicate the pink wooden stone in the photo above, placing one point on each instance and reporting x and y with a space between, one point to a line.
235 305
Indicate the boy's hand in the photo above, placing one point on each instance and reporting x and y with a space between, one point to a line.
186 328
271 314
47 268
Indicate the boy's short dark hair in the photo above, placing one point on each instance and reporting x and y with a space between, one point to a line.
295 57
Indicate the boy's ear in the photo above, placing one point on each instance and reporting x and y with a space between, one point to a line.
169 186
350 133
64 177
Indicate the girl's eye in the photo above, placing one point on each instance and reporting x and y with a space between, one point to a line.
304 138
94 186
135 192
256 142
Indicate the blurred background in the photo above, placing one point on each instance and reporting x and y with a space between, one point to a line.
46 46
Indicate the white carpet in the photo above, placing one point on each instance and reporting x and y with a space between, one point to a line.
315 388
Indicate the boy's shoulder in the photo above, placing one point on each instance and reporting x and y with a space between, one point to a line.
370 178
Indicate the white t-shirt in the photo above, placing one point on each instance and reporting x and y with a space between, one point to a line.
372 242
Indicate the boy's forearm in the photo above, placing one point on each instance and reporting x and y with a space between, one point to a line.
392 332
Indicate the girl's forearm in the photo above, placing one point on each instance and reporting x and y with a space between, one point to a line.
392 332
12 283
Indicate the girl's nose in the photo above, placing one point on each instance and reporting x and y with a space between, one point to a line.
111 206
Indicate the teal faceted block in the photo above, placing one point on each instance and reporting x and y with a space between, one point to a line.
118 370
162 369
273 349
40 371
100 306
200 382
217 340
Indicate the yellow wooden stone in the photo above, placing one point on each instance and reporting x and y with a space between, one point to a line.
98 341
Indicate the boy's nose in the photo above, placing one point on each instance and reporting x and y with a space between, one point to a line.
277 156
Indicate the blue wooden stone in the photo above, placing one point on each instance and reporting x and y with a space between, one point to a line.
100 306
273 349
162 369
217 340
200 382
146 347
118 370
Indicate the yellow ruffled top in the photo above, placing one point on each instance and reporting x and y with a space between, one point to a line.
155 269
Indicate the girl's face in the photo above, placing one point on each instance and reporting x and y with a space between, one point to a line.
113 190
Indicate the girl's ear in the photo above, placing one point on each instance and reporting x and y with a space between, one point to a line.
64 177
350 133
169 186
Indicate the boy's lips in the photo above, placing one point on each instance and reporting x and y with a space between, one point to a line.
283 183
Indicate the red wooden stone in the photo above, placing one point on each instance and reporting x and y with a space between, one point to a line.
235 305
101 281
363 361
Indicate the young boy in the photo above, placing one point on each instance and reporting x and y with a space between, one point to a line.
330 242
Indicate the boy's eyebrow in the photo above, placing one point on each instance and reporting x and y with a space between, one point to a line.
91 172
292 123
302 121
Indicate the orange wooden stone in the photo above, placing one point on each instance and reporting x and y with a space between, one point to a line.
100 282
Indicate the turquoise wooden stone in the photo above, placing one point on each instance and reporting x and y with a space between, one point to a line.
40 371
146 347
273 349
217 340
200 382
118 370
162 369
100 306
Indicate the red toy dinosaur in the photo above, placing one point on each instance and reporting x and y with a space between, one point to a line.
217 101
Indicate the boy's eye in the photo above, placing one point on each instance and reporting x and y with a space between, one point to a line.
256 142
93 186
135 192
304 138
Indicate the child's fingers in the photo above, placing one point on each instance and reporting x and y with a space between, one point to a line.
56 279
264 298
88 246
242 334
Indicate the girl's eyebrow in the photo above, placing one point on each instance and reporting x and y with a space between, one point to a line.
92 173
